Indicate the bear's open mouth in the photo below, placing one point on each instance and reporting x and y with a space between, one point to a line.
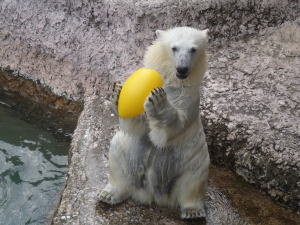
181 76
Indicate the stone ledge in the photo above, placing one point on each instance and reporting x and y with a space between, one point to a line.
226 198
251 110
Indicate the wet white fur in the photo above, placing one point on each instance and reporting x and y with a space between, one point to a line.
159 56
162 156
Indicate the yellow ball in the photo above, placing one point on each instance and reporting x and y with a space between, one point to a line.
135 91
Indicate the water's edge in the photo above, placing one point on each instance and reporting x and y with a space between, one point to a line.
37 103
33 169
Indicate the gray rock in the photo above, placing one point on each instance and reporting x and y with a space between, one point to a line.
250 102
251 110
70 46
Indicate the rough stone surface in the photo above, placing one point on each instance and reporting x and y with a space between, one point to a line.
70 46
88 175
251 108
250 102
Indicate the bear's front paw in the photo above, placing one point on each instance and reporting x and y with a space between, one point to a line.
116 90
155 102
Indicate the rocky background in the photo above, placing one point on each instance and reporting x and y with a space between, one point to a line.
251 92
73 46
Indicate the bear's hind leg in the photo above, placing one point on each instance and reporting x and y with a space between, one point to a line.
111 196
119 186
191 190
196 211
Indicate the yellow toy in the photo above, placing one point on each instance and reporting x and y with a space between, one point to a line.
135 91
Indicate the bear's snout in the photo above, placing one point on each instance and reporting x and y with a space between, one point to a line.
182 72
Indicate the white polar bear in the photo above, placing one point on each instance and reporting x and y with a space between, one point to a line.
161 156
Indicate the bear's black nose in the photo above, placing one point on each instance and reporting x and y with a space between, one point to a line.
182 72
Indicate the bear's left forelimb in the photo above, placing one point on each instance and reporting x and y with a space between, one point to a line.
165 120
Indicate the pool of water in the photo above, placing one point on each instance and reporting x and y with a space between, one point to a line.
33 165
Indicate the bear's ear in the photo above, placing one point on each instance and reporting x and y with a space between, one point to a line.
158 33
205 32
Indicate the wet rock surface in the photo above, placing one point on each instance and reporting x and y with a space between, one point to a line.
38 104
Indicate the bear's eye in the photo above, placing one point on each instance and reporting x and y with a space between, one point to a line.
174 49
193 50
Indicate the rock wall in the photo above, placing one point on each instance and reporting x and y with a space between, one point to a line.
72 46
250 102
251 109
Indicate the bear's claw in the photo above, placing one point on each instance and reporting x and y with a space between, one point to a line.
193 213
155 101
115 96
107 197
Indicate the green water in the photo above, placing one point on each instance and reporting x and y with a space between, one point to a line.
33 166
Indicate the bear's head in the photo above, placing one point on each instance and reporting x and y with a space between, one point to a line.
185 45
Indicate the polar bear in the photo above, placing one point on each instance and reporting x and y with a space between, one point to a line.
161 156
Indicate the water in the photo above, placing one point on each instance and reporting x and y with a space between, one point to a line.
33 165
